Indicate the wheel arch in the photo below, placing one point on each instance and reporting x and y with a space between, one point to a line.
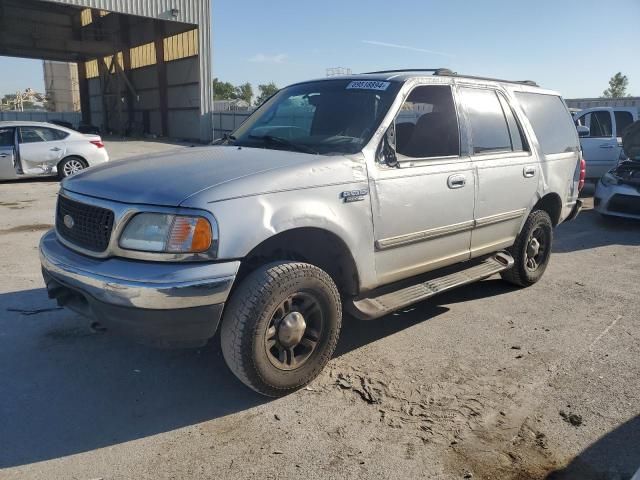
313 245
552 204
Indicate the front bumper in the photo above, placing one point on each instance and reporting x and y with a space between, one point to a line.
617 200
166 304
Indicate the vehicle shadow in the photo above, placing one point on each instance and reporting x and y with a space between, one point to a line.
590 230
614 456
67 389
50 179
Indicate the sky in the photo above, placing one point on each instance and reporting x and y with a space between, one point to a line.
567 45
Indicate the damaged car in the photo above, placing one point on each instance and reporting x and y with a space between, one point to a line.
363 194
39 149
618 191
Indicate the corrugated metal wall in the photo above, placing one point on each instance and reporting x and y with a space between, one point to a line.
193 12
189 11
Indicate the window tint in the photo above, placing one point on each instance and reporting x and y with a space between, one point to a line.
518 141
41 134
489 129
427 125
601 125
623 120
551 122
6 137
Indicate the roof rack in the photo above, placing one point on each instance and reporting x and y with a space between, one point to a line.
445 72
435 71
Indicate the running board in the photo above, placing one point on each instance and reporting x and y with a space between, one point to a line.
390 299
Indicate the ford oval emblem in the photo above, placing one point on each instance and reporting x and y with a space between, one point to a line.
68 221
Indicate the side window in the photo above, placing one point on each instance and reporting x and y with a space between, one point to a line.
489 129
40 134
518 140
551 121
601 125
59 134
6 137
427 124
623 120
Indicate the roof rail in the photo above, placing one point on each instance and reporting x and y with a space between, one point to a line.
445 72
435 71
523 82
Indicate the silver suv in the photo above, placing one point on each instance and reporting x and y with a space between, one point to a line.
366 193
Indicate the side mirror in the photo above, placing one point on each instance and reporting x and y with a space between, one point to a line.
386 150
583 131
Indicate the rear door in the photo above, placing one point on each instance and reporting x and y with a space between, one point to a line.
41 148
423 208
600 148
623 119
507 172
7 153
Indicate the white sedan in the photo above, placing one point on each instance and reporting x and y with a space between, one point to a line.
36 149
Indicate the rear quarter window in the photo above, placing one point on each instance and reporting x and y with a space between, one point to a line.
551 122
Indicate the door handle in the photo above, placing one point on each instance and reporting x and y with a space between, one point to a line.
606 145
4 155
456 181
55 149
529 171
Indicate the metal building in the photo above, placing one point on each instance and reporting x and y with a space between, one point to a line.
583 103
61 86
144 66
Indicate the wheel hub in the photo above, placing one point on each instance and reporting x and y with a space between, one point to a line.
533 248
291 329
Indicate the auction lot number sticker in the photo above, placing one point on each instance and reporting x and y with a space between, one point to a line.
368 85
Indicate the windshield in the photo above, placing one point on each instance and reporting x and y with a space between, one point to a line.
325 117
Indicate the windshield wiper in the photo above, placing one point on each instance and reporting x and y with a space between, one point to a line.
284 142
225 140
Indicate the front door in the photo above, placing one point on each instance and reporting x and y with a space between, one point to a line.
507 172
423 208
7 153
600 148
41 148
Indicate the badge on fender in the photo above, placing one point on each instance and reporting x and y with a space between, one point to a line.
354 195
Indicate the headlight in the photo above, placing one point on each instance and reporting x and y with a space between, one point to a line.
608 179
166 233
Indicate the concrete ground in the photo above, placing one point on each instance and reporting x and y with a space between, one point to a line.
487 381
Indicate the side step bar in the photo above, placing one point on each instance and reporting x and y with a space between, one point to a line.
390 299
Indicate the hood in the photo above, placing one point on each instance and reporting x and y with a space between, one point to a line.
628 172
215 173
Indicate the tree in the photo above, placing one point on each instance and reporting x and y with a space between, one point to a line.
244 92
617 86
223 90
266 90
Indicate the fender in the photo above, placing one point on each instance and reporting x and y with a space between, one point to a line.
244 223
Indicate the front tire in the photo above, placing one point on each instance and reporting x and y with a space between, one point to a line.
281 327
531 251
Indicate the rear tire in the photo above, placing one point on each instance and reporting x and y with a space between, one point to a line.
70 166
531 251
281 327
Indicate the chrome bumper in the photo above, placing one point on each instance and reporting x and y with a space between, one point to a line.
137 284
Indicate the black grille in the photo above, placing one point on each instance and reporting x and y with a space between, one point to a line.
91 228
625 204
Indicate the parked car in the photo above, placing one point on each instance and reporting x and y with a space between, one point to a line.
329 198
62 123
601 130
35 149
618 191
87 128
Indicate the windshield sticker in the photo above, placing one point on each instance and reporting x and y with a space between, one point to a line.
368 85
